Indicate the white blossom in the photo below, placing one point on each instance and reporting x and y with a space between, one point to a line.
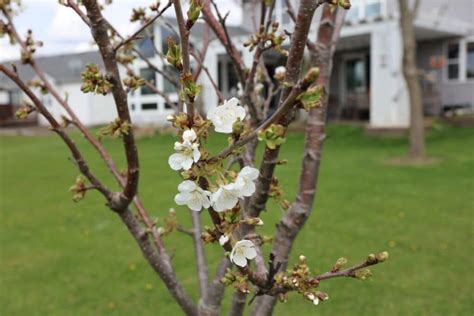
244 183
189 135
226 197
224 116
280 71
316 301
240 90
187 152
259 87
192 195
223 239
243 250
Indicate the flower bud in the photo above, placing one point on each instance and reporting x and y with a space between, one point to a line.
188 174
155 6
340 263
371 258
255 221
171 118
237 127
322 296
345 4
382 256
312 75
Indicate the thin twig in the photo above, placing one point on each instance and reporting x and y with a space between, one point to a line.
143 27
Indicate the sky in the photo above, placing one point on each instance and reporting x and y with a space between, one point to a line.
62 31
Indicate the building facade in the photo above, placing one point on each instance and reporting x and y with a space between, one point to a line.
367 83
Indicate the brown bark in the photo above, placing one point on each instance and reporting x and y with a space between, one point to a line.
291 224
99 29
160 262
293 65
417 149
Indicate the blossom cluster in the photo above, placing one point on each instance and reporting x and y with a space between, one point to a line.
225 194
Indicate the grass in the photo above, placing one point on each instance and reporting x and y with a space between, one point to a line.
63 258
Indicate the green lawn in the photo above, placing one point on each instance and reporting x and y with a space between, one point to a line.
63 258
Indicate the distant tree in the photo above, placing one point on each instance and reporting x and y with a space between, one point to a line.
410 72
233 200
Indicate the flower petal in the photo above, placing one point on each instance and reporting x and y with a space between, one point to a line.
195 202
223 239
176 160
232 102
182 198
196 152
239 260
249 172
240 112
187 186
250 253
189 135
187 163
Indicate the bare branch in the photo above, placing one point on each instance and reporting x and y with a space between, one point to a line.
99 28
200 256
143 27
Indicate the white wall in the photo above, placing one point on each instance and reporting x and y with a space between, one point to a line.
89 108
102 109
4 99
389 105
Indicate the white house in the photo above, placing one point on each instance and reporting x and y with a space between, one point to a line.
367 82
64 71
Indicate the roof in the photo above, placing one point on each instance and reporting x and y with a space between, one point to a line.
65 68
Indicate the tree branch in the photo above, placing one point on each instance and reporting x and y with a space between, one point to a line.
99 27
143 27
293 221
200 256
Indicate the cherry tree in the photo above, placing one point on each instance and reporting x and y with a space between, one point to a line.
231 187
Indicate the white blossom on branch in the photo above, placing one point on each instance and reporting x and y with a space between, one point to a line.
192 195
245 181
224 116
243 250
225 198
187 152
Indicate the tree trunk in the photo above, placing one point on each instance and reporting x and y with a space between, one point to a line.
291 224
410 72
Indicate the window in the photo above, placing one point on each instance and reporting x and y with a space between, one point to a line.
172 72
170 107
452 63
352 15
470 60
373 10
132 107
355 80
227 77
459 60
149 106
365 9
15 97
145 45
149 75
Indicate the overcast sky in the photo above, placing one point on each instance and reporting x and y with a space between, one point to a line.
63 31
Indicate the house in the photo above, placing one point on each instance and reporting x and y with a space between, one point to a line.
64 72
367 82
